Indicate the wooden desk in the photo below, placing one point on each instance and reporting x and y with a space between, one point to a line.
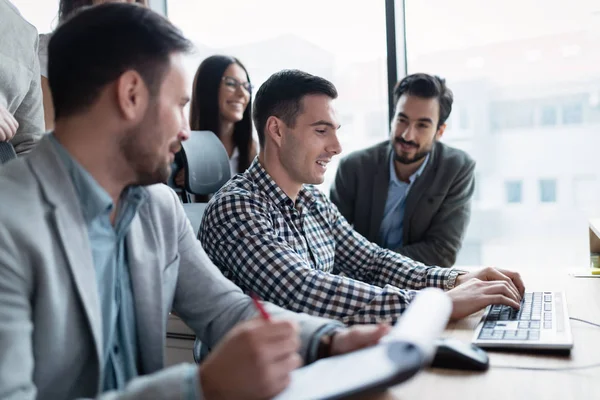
583 299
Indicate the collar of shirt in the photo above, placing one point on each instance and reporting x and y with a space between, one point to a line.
394 178
95 201
269 187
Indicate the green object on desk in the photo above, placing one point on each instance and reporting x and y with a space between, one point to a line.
595 261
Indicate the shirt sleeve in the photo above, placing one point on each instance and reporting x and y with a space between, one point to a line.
361 259
240 236
30 113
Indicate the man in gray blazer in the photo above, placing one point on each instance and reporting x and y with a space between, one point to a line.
411 194
94 254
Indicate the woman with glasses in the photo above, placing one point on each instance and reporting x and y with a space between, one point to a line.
221 103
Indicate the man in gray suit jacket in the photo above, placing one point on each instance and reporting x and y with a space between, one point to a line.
94 254
411 194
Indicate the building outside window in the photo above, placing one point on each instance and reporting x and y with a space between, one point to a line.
547 190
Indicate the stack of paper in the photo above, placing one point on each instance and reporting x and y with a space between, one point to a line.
400 355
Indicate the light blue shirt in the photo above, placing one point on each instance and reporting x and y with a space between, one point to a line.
109 253
392 226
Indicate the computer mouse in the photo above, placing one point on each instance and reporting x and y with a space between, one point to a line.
456 354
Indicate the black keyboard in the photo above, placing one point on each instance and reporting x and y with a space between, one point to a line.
506 323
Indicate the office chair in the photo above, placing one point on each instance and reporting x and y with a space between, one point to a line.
207 169
7 152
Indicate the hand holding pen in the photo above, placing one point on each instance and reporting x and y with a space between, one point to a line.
254 360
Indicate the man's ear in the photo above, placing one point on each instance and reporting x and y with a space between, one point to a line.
440 132
274 130
132 95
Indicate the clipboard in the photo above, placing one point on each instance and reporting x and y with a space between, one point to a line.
408 348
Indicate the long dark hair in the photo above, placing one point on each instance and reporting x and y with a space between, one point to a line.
204 110
66 7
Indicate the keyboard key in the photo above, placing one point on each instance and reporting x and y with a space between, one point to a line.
547 316
548 307
489 324
510 335
523 324
498 334
486 334
522 334
547 298
547 324
534 324
534 335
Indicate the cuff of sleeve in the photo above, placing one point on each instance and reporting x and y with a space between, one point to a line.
313 347
451 281
439 277
412 294
192 384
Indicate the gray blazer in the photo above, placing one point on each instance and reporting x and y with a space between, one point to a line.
50 322
438 206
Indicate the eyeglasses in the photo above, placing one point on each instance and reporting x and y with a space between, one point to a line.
232 84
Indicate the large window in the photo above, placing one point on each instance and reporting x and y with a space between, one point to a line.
341 41
528 72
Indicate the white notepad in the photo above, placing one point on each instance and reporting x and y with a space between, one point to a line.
408 347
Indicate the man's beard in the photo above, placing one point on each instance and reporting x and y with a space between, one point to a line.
403 159
136 148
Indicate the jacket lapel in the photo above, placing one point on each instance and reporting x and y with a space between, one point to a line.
381 182
66 214
144 268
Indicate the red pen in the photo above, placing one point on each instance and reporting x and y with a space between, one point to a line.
260 307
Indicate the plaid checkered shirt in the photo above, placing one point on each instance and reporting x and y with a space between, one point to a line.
306 257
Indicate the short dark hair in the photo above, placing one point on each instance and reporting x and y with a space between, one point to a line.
427 87
204 109
97 44
67 7
281 96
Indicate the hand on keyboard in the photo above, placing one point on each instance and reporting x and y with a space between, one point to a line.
495 274
475 294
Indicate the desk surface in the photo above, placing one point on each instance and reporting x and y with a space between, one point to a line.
583 299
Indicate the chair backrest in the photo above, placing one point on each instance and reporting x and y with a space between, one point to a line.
7 152
206 162
194 212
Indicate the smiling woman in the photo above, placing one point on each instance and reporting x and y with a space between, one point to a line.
221 103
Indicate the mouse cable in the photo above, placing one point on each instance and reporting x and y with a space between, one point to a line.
574 368
585 322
